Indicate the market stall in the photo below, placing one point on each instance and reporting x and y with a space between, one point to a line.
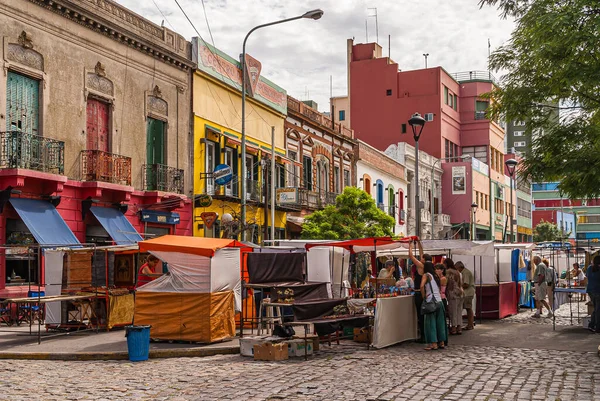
198 298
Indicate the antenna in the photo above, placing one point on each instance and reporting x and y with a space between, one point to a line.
367 29
376 23
425 55
390 47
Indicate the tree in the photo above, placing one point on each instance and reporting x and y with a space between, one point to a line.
354 215
553 83
546 231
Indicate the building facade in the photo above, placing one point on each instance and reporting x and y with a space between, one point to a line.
385 180
95 113
217 141
320 162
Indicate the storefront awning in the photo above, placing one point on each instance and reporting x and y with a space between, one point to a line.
117 225
44 222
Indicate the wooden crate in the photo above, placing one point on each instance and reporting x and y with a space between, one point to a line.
77 269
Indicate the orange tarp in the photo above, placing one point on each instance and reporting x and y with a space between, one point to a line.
203 318
195 245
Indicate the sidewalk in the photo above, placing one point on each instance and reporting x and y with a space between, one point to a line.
17 344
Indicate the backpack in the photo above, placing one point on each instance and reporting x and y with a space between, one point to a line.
550 276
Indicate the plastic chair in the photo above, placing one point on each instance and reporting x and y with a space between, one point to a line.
5 315
270 318
32 311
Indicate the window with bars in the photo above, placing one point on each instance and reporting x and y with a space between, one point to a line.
307 173
292 170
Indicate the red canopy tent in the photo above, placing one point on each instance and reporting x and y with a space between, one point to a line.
365 244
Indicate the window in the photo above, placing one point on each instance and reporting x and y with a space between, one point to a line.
388 92
487 202
22 103
155 144
478 152
520 144
519 133
499 206
346 178
445 94
292 180
97 131
379 193
280 176
336 179
342 115
400 207
307 175
403 129
367 185
480 109
519 123
451 149
391 201
455 103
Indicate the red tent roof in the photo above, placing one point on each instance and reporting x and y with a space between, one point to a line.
194 245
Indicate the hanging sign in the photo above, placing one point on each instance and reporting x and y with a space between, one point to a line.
222 174
203 200
459 180
209 218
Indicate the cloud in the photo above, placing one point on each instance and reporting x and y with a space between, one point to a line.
300 56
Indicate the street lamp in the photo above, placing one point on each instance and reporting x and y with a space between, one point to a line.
417 124
511 164
313 14
433 186
473 221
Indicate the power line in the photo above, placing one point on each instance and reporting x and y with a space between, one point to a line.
161 13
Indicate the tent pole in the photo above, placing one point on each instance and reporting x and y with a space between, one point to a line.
481 290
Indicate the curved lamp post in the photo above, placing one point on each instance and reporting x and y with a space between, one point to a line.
473 221
417 123
313 14
511 164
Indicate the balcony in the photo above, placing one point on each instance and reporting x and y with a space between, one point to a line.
468 76
443 220
319 118
312 200
425 216
158 177
97 165
254 191
480 115
230 190
32 152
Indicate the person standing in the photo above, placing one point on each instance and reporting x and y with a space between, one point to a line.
417 275
435 333
469 293
147 271
455 296
593 290
550 281
580 278
541 287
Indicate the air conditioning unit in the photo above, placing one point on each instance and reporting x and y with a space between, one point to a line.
429 117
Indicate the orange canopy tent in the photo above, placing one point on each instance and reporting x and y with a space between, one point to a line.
194 245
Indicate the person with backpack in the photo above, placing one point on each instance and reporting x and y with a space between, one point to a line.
593 290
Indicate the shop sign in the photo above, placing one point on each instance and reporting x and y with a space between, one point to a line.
222 174
209 218
155 216
287 196
203 200
478 165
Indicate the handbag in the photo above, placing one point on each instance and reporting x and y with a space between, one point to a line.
283 331
432 306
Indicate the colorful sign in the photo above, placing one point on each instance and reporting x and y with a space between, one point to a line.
287 196
480 166
209 218
155 216
253 68
222 174
459 180
224 68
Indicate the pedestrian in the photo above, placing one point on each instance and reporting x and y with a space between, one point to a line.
455 297
435 328
417 274
579 276
550 281
593 290
541 287
440 271
469 293
147 271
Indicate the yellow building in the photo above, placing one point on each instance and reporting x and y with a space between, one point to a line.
217 105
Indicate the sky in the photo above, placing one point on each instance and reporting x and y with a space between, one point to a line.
302 55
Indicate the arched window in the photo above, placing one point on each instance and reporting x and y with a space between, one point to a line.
391 200
379 185
400 207
367 184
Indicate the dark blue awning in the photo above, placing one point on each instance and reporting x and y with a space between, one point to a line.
116 225
44 222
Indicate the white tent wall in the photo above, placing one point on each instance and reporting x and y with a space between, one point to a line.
201 274
505 262
340 264
53 272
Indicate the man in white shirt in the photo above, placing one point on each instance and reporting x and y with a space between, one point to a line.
541 287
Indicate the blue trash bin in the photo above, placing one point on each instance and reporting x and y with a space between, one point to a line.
138 342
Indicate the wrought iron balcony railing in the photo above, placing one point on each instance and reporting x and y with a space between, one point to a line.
32 152
158 177
97 165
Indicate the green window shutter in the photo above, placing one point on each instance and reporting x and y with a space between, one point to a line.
22 103
155 146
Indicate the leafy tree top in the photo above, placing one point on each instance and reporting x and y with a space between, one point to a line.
354 215
547 231
553 83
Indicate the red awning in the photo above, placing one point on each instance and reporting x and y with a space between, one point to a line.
365 244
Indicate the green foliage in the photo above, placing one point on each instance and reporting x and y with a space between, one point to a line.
553 65
546 231
355 215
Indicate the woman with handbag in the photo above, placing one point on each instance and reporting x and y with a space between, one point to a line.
433 311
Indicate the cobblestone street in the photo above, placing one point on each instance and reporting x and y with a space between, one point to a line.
345 372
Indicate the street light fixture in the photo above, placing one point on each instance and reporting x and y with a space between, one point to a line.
465 157
417 123
511 164
314 15
473 221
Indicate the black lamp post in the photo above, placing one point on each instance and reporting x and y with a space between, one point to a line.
473 221
417 124
511 164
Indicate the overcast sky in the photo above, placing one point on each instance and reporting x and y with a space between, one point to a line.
301 55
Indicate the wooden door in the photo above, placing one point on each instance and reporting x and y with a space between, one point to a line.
97 125
155 146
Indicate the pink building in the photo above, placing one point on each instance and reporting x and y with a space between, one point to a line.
382 98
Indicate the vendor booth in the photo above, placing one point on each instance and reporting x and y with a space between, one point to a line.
198 297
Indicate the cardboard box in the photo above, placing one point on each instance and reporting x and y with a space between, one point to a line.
363 335
296 348
247 344
311 337
270 352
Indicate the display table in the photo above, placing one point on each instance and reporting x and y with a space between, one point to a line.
562 295
496 301
395 319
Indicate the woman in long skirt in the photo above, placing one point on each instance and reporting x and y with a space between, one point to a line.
435 328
